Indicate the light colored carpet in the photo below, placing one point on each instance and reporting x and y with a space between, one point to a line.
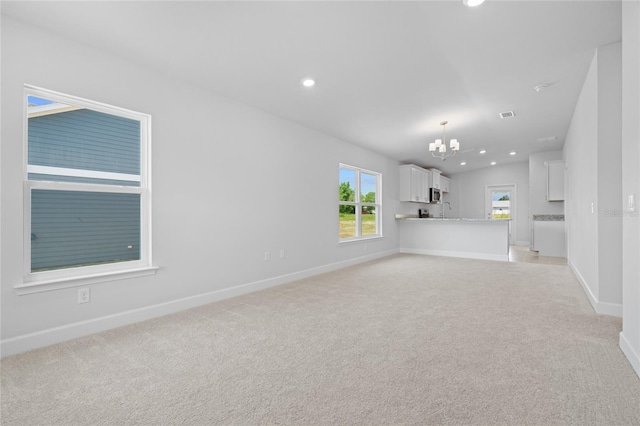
404 340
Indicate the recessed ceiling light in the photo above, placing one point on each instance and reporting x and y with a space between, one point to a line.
464 163
512 153
507 114
540 87
483 151
493 163
308 82
472 3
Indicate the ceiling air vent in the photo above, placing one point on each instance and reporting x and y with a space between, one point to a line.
507 114
548 139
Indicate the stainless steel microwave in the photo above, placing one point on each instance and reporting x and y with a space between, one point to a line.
435 195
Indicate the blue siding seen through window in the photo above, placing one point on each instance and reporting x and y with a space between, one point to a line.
87 140
76 228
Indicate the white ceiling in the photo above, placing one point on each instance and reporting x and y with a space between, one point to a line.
387 72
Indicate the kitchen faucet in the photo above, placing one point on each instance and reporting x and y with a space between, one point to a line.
446 202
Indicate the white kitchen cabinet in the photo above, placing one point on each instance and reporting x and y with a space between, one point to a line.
555 180
414 184
548 238
435 179
445 182
426 180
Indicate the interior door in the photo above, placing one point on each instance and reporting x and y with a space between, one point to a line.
500 203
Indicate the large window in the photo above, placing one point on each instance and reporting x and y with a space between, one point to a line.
86 190
359 204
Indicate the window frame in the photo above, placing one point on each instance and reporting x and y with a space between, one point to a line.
359 204
82 275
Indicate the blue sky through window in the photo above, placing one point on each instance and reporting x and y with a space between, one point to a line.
38 101
367 181
497 195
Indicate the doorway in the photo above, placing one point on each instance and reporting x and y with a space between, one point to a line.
500 203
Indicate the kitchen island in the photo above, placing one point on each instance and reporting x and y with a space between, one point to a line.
456 237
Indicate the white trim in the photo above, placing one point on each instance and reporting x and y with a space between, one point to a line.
612 309
71 100
93 174
630 353
25 342
49 284
601 308
590 296
464 255
359 239
81 187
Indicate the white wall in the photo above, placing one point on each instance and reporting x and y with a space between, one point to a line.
593 158
610 173
538 203
229 183
468 192
581 183
630 336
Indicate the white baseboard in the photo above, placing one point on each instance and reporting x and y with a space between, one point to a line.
482 256
602 308
630 353
26 342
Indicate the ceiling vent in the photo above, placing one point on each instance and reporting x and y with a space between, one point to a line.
507 114
548 139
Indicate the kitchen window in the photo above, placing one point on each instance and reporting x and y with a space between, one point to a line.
359 203
87 197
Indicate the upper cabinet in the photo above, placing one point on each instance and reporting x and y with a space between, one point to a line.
445 183
414 184
435 179
555 180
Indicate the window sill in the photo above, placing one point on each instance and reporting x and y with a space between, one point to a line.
360 239
75 281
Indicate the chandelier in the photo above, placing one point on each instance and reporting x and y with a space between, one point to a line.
439 148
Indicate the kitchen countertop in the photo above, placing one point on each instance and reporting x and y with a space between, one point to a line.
446 219
548 217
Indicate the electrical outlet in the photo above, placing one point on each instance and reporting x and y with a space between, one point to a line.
267 256
631 204
282 254
84 295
